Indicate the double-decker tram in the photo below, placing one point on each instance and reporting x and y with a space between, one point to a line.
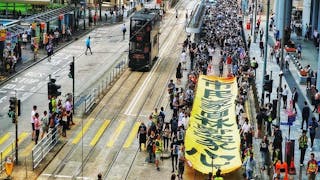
144 39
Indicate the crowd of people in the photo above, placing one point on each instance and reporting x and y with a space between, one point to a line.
58 117
221 41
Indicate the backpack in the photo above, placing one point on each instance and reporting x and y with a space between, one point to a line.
180 135
51 123
175 150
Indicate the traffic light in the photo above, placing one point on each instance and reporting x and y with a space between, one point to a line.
268 85
53 89
71 73
12 109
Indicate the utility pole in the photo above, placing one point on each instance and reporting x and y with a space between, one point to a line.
100 8
281 62
84 17
265 51
16 124
255 21
73 86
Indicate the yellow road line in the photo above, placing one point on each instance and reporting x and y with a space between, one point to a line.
85 129
11 147
27 150
99 133
116 133
132 135
4 138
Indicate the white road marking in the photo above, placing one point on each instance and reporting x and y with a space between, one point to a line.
64 176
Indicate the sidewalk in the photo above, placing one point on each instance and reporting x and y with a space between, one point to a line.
28 61
291 79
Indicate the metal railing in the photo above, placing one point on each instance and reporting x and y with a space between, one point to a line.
44 146
88 99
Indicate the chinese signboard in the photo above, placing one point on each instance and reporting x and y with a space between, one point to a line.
212 139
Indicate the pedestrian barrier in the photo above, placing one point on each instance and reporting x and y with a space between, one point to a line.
44 146
90 101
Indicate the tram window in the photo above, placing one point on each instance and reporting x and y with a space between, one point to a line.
136 25
136 46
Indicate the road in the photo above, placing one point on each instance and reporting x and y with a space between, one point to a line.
30 86
106 140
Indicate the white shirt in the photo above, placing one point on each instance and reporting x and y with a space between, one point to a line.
33 112
183 57
68 106
285 92
246 127
238 108
211 51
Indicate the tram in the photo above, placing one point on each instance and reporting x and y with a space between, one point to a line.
144 39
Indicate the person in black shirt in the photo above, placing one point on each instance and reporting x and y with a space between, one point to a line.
174 153
305 115
142 133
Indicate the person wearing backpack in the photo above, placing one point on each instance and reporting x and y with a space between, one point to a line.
150 146
124 30
303 145
158 150
174 126
174 146
180 135
142 134
44 123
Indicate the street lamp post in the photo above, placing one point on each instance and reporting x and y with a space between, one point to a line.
265 52
255 21
100 9
281 63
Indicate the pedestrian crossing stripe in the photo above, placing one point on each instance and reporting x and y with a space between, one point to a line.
99 133
11 147
26 152
116 133
84 130
4 138
132 135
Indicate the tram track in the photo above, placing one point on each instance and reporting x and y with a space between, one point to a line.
75 147
158 102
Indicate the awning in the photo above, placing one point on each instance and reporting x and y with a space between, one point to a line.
49 15
15 29
37 2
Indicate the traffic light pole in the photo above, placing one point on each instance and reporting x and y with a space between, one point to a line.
16 123
265 51
73 86
281 64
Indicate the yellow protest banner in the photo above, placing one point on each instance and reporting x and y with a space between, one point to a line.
212 140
